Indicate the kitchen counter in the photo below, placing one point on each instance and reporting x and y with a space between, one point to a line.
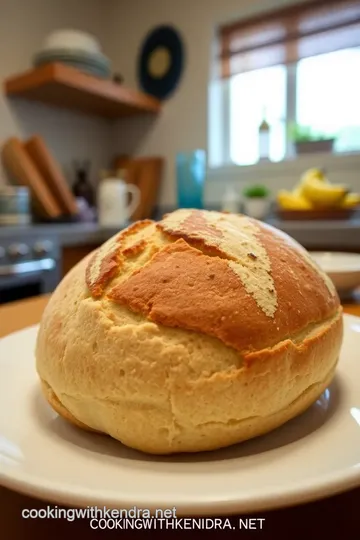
325 235
67 234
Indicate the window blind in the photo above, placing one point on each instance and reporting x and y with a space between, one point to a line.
287 36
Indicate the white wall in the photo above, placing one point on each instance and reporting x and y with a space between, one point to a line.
183 122
23 26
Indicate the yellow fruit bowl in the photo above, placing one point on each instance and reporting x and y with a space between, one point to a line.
317 198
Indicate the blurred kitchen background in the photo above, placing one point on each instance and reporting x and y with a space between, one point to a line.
116 110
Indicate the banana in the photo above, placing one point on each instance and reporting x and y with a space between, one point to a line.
311 174
298 191
322 194
308 175
351 200
287 200
315 191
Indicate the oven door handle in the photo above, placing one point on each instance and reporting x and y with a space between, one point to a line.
27 267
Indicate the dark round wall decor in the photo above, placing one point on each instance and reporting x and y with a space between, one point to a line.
161 62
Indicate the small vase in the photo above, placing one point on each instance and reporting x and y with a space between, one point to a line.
256 207
190 178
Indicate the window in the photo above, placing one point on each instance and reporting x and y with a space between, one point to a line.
251 95
298 66
328 90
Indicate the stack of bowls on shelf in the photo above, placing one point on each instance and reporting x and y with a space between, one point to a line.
76 49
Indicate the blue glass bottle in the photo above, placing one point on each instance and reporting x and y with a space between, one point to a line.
190 178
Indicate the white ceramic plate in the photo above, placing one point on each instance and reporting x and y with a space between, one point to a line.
313 456
342 268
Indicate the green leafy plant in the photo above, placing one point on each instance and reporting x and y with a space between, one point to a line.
300 134
257 191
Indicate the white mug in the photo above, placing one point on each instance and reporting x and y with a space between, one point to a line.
113 207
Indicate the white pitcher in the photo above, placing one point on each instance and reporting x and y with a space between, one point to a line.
114 210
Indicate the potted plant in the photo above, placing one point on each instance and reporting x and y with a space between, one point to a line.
256 201
308 141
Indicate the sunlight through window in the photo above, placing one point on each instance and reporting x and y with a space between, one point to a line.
252 94
328 90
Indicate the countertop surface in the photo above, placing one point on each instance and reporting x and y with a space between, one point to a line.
327 234
334 516
68 234
331 234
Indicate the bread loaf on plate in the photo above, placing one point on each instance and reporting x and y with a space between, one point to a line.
193 333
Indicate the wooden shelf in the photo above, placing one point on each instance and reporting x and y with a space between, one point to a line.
66 87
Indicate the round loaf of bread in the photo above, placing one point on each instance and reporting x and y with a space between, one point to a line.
193 333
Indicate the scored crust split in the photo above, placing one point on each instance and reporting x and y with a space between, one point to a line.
194 333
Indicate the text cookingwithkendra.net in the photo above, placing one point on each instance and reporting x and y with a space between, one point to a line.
136 518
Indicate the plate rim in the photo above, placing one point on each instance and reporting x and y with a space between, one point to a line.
298 494
295 494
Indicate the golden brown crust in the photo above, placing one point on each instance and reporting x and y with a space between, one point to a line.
184 288
102 267
195 230
106 262
135 249
227 276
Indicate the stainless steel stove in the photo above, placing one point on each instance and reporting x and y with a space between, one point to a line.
29 263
